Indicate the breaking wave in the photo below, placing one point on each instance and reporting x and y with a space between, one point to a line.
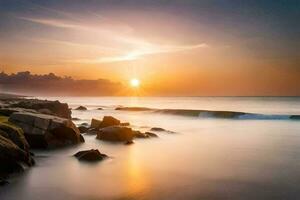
213 113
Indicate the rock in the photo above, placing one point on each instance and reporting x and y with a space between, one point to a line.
75 119
84 124
125 124
9 111
15 134
12 158
46 131
45 111
81 108
55 107
92 131
81 138
151 134
109 121
295 117
3 182
139 134
157 129
90 155
83 129
95 123
115 133
129 142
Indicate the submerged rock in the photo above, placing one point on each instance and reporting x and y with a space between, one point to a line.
81 108
90 155
139 134
151 134
115 133
46 131
157 129
83 129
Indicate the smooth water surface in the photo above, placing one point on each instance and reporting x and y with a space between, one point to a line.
207 158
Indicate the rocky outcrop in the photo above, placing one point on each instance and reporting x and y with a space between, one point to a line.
15 134
116 134
81 108
12 158
49 107
46 131
90 155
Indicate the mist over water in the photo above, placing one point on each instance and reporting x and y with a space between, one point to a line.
206 158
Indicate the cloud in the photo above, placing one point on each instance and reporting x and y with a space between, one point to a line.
139 53
52 22
51 84
120 46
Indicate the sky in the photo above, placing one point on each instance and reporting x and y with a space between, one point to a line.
174 47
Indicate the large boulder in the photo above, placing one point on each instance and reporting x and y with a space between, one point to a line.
90 155
12 158
15 134
46 131
53 107
115 133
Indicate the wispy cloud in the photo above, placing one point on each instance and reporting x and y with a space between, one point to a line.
52 22
137 54
126 47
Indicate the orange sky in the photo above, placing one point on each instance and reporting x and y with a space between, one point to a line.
193 53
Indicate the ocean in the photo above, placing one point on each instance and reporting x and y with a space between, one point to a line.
251 151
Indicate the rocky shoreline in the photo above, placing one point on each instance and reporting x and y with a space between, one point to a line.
28 124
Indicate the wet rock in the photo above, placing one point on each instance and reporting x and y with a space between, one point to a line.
83 129
81 108
90 155
151 134
75 119
3 182
15 134
109 121
92 131
46 131
55 107
12 158
115 133
157 129
125 124
95 123
129 142
139 134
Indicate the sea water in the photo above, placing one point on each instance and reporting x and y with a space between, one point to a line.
205 157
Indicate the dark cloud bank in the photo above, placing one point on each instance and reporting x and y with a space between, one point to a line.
51 84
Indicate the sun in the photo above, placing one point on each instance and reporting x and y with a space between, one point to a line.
134 82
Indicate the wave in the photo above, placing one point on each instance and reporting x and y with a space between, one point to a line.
213 113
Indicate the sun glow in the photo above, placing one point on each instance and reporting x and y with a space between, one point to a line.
134 82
